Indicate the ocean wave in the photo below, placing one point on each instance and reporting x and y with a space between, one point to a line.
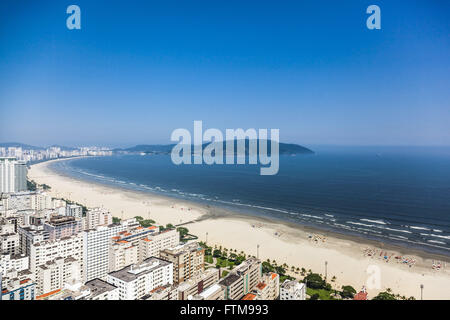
398 236
310 216
418 228
435 235
436 241
373 221
360 224
397 230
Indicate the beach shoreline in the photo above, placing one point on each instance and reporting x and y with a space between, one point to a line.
285 242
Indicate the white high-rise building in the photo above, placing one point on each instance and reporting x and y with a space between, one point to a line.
13 175
96 245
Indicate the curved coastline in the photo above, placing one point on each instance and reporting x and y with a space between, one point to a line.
279 240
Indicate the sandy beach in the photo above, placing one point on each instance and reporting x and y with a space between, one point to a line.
353 261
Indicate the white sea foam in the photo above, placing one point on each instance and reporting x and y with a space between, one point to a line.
360 224
310 216
373 221
435 241
418 228
397 230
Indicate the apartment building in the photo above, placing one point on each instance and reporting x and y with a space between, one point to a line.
61 226
135 245
166 292
242 279
137 281
45 251
13 175
10 262
97 217
41 201
188 261
9 239
55 274
154 243
198 284
292 290
17 289
96 246
74 210
214 292
31 235
101 290
267 289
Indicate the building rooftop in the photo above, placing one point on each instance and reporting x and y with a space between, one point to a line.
229 279
98 286
182 248
210 290
132 272
292 285
249 296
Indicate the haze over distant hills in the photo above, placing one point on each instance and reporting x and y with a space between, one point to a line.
284 148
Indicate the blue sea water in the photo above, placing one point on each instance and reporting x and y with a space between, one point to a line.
398 195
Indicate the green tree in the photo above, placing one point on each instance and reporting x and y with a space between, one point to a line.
315 281
183 231
384 296
348 292
116 220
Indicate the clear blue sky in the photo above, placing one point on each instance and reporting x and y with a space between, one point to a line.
139 69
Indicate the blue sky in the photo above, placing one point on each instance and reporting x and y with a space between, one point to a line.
137 70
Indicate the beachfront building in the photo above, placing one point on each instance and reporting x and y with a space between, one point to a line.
61 227
55 274
188 261
242 279
198 284
96 246
268 288
135 245
155 242
292 290
74 210
13 175
97 217
137 281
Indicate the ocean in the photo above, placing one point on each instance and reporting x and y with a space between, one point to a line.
399 195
